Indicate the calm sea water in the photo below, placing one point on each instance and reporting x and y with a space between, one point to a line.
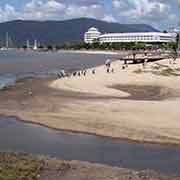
15 64
26 137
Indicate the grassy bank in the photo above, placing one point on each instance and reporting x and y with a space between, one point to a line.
16 166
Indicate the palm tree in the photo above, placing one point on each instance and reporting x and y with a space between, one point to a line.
178 40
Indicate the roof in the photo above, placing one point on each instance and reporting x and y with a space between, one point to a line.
92 29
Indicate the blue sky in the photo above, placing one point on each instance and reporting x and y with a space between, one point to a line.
161 14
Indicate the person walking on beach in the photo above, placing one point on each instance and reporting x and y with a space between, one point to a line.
84 73
125 63
134 55
123 67
108 63
74 73
93 71
145 60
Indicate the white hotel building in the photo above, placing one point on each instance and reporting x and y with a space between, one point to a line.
91 35
147 37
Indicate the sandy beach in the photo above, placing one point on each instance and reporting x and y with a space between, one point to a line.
134 103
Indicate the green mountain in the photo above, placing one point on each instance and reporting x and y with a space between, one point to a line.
59 32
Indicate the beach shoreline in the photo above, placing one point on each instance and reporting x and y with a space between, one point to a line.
91 52
77 111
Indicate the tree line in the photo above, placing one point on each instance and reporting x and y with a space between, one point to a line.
110 46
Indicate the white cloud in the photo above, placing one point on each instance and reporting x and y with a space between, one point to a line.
71 11
154 12
93 11
38 9
8 12
62 9
109 18
117 3
141 9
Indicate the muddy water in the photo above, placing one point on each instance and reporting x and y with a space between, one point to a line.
20 136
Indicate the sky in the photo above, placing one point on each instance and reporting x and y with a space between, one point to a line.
161 14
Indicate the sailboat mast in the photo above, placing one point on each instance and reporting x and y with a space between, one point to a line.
35 44
27 44
7 40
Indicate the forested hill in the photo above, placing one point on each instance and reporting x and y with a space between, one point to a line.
59 32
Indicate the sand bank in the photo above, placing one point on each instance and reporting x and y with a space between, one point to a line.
131 104
138 115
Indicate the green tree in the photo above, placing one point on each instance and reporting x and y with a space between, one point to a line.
178 40
41 47
140 46
24 47
95 45
50 47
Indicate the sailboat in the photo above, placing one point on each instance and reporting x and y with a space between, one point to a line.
6 43
28 44
35 45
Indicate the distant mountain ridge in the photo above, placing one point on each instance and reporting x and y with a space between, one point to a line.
59 32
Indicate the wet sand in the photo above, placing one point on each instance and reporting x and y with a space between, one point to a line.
147 93
92 113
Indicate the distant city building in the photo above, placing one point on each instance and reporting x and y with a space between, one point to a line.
146 37
91 35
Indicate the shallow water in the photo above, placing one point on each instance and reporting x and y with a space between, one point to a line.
17 64
6 81
20 136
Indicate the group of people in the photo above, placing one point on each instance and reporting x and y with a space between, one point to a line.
78 73
108 66
109 69
62 73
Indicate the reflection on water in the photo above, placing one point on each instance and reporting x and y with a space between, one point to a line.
19 136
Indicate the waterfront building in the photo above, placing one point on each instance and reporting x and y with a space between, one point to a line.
145 37
91 35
